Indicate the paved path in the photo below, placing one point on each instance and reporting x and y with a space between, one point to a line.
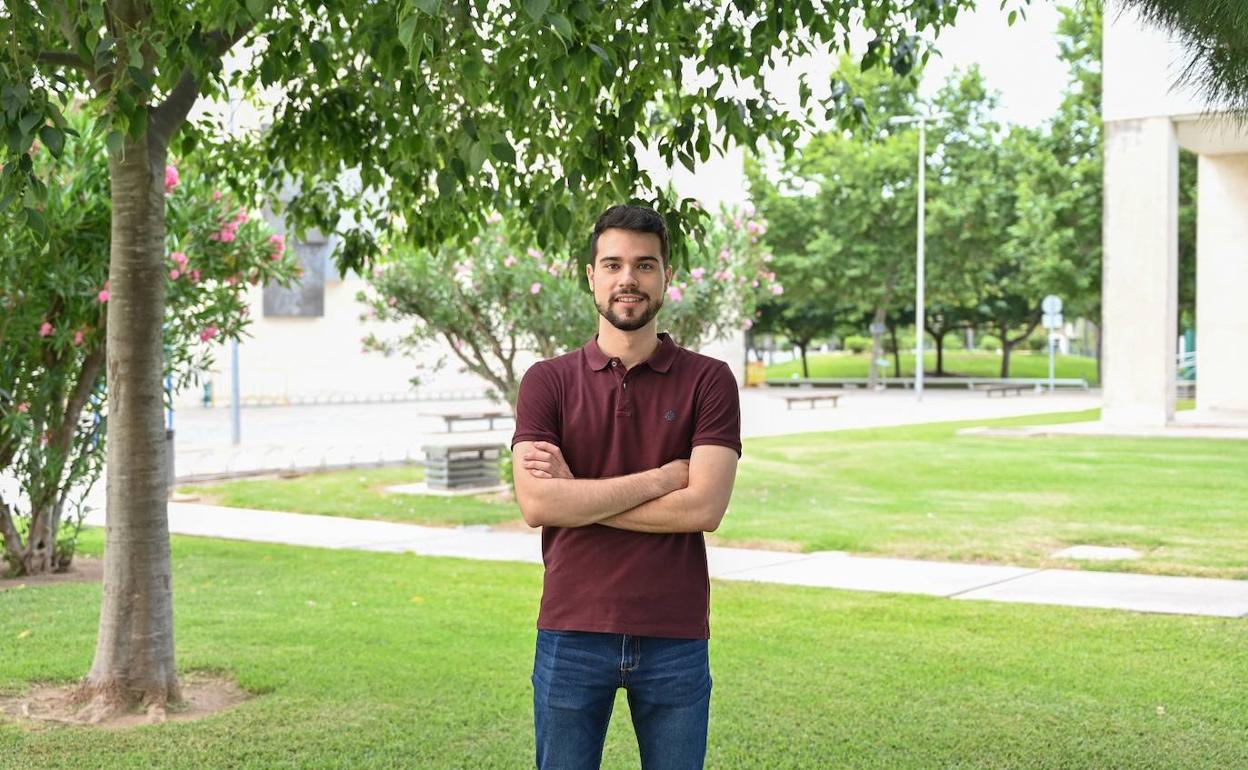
311 437
1142 593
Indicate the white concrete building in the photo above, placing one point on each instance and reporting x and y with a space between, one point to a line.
1147 118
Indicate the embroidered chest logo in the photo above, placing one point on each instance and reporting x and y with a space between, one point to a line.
670 415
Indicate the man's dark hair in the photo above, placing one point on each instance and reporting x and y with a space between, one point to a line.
641 219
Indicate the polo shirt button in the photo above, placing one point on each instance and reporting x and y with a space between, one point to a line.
613 364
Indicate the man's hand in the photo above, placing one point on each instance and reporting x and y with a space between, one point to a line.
546 461
677 473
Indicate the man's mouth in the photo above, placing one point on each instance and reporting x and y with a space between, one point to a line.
630 299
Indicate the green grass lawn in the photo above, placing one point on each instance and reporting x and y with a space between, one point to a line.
916 492
366 660
957 363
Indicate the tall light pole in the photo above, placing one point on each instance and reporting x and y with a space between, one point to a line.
919 298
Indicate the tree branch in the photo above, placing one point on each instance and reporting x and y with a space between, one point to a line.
169 115
65 59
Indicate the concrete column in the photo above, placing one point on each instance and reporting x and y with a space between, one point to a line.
1140 283
1222 288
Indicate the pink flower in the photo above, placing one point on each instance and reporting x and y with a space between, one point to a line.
494 218
724 255
377 271
173 275
534 253
194 276
171 179
23 407
771 276
675 294
208 334
722 275
233 279
392 301
240 217
45 330
102 297
226 235
754 283
553 270
697 273
179 258
509 261
279 245
777 289
216 195
78 338
536 287
747 324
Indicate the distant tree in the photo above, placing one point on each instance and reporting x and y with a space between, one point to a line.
504 298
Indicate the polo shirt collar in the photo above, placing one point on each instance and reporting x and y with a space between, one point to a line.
660 360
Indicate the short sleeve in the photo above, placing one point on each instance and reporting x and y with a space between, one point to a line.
718 419
537 407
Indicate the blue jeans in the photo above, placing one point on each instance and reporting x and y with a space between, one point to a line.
576 675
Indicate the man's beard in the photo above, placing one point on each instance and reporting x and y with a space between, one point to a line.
630 324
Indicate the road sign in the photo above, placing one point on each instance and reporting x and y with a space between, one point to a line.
1052 304
1053 320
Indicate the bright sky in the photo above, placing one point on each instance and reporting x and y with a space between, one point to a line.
1020 61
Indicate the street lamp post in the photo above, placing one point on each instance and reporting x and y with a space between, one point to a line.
920 258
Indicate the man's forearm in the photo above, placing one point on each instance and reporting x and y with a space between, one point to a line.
562 502
681 511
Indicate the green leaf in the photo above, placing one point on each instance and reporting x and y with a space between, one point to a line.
476 157
114 140
53 138
602 54
446 183
407 28
504 151
1012 18
536 9
29 121
256 9
34 220
430 7
560 24
563 219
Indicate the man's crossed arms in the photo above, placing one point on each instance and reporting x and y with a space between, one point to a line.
681 496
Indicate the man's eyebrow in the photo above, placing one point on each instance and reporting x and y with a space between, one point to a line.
615 258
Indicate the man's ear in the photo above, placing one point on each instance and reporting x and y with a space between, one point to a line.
589 274
668 272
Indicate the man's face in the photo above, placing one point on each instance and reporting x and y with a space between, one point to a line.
628 278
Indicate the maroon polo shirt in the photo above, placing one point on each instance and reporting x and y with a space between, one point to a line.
614 422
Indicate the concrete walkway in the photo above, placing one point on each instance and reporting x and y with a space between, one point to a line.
1141 593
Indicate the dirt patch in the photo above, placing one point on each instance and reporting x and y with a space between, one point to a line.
756 544
50 705
84 569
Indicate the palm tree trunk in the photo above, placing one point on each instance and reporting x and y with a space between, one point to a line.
134 660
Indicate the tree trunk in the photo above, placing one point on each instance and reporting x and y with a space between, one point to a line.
801 346
940 353
877 348
892 335
134 655
1006 347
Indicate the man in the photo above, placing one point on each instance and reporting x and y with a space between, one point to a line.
626 451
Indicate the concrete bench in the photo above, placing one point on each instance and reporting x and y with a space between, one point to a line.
812 399
463 466
1004 390
456 417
